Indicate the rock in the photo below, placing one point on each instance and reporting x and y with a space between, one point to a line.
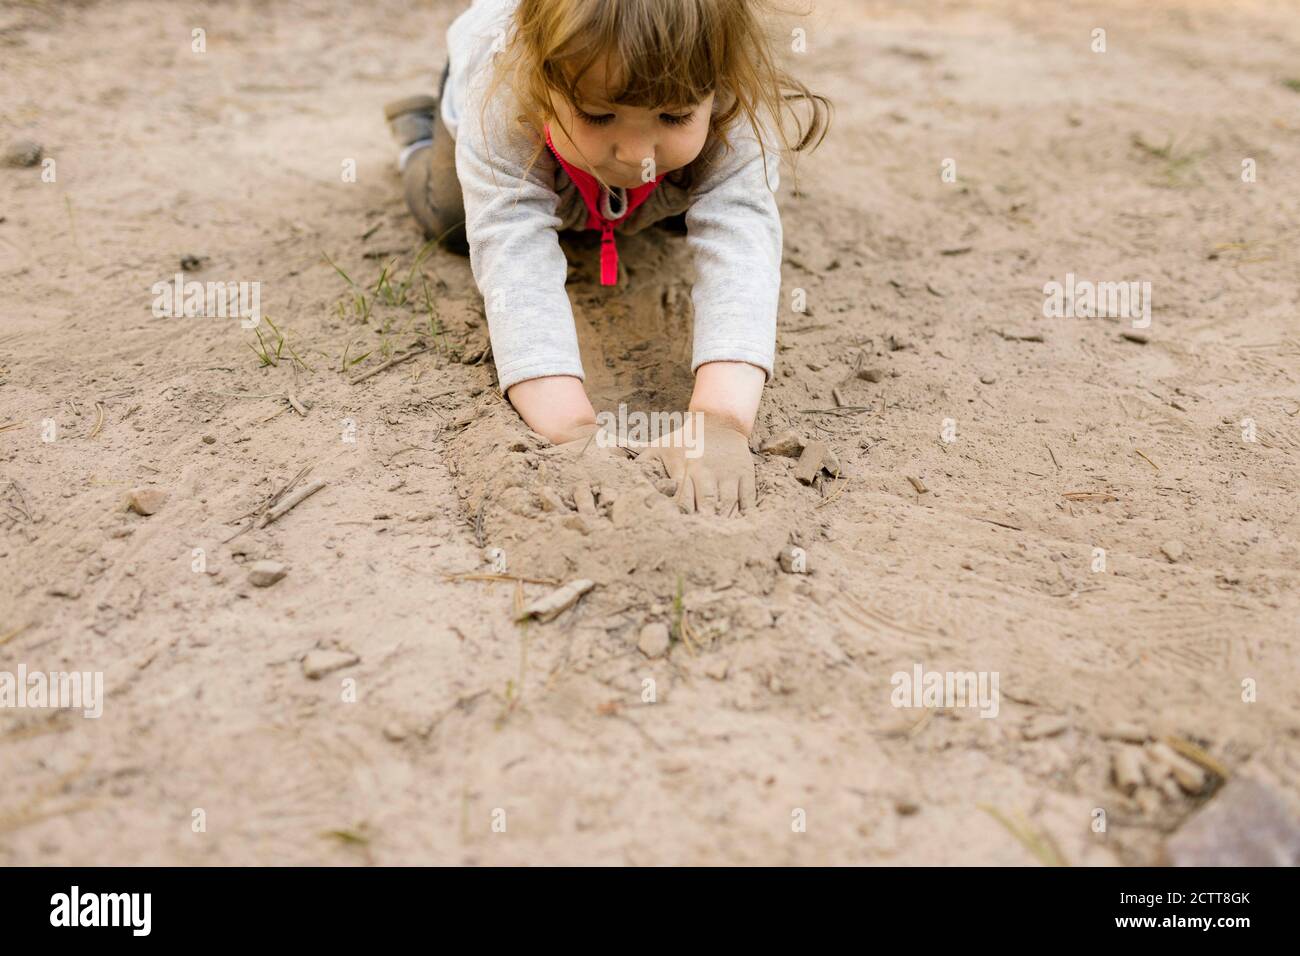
1044 725
21 153
318 663
810 462
1139 337
718 668
1127 768
394 731
786 444
1189 776
654 640
988 378
581 523
146 501
1173 550
831 464
64 590
265 573
551 500
1148 801
906 808
191 263
871 374
794 560
209 439
1246 824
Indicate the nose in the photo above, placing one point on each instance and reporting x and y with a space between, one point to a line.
634 148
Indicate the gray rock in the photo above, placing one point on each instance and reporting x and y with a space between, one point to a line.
22 152
1246 824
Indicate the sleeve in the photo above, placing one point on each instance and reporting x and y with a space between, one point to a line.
514 247
734 232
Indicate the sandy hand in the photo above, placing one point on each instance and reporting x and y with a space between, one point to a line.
711 465
587 462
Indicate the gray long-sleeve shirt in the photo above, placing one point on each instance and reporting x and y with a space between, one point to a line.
516 201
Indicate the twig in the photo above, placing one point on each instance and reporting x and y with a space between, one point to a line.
1147 460
389 364
484 576
291 502
99 419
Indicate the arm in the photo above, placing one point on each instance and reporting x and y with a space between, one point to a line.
515 254
734 231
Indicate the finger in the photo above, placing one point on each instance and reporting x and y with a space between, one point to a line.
686 495
748 495
706 493
728 495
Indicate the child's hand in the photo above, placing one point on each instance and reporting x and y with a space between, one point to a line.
720 480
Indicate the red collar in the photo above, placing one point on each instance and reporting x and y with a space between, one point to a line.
589 188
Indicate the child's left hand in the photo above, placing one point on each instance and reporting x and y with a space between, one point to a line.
720 480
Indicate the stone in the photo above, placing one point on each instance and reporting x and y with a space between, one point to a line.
654 640
1044 725
786 444
871 374
551 501
265 573
794 560
1246 824
21 153
1173 550
146 501
988 378
810 461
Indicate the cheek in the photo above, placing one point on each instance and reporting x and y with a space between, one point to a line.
685 144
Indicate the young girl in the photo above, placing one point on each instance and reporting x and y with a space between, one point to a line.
613 115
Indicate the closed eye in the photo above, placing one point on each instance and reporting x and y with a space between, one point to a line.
587 118
676 120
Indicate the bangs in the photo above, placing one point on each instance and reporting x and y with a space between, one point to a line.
641 51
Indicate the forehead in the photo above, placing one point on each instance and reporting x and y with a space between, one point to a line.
604 82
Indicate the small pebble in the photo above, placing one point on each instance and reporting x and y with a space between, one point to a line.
265 573
654 640
988 378
146 501
21 153
1173 550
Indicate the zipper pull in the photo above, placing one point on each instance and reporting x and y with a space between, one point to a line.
608 255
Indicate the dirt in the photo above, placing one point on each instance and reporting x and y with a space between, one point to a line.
382 703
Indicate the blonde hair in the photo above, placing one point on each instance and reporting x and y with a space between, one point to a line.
662 53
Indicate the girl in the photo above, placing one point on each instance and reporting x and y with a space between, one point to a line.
614 115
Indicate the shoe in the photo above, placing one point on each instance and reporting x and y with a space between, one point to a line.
411 119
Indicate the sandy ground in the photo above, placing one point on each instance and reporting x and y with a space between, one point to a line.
460 736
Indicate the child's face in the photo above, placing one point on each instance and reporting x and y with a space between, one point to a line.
626 145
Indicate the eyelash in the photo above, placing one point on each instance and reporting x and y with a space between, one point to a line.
608 118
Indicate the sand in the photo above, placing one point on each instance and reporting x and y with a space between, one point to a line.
369 707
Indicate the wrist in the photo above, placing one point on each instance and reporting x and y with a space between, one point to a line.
729 393
555 406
